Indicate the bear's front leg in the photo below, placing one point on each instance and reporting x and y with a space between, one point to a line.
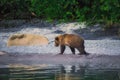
62 49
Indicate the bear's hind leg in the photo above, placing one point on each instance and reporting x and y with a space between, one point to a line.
72 49
81 50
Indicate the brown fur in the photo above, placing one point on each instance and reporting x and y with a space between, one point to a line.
71 40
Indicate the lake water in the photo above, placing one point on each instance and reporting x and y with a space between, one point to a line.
56 72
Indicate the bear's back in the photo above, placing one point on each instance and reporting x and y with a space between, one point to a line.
72 40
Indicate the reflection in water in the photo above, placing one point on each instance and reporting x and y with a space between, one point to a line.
59 72
71 73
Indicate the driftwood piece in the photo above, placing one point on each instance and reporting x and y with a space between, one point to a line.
26 40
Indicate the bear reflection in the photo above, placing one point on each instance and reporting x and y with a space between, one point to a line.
70 72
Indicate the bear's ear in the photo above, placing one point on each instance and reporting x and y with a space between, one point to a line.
56 38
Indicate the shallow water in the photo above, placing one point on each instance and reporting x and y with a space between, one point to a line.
56 72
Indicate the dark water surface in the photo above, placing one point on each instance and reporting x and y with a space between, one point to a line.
56 72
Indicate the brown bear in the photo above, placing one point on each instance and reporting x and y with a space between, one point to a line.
71 40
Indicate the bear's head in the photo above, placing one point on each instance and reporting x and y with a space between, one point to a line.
57 41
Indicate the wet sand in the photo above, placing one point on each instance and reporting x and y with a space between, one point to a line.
90 61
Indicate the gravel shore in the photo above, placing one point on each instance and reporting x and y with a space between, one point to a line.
104 47
96 40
